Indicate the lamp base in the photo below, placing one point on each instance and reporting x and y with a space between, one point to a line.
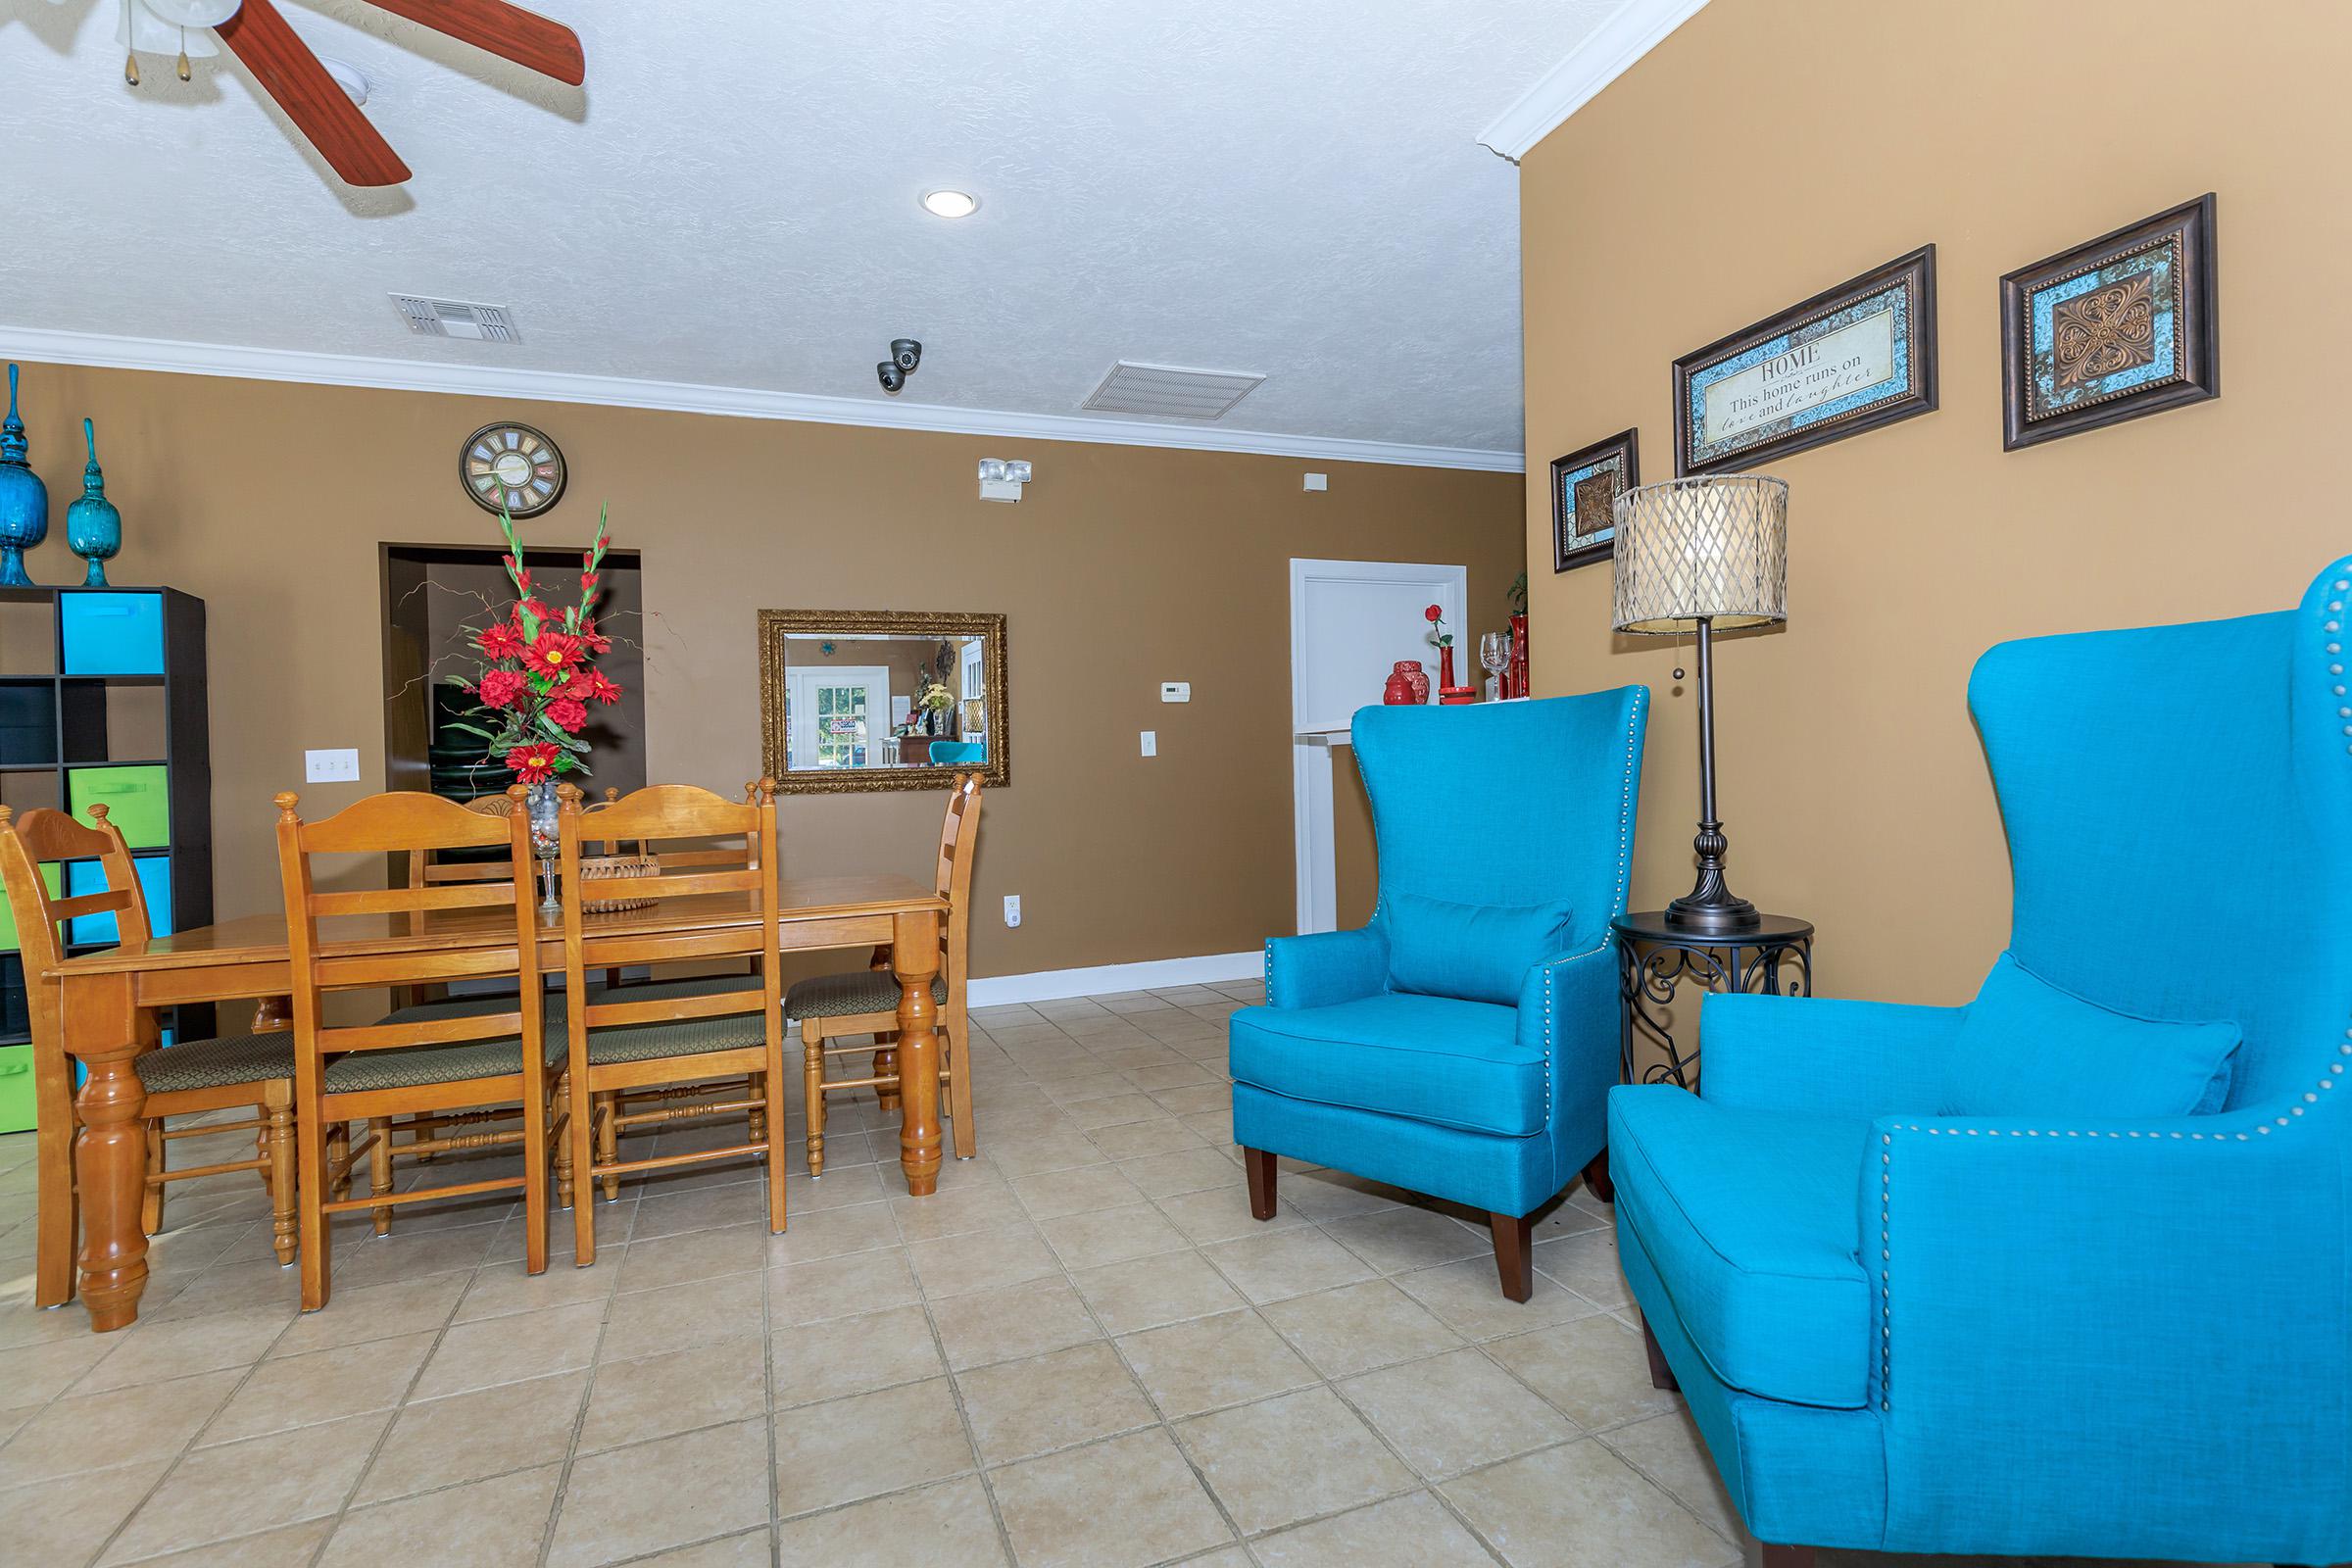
1718 913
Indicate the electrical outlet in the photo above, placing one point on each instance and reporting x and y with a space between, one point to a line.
1175 691
1012 910
340 766
1151 743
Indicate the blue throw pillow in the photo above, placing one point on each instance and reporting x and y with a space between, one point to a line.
2028 1049
1470 952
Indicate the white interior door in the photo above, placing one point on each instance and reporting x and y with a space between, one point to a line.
833 714
1350 622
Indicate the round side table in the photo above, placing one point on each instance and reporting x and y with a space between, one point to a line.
1655 959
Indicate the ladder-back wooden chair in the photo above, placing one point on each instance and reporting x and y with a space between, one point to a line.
639 1038
832 1007
381 1072
626 1106
192 1076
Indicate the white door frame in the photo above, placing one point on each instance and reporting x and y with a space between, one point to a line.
1315 858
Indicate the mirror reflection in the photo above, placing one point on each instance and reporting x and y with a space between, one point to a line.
881 700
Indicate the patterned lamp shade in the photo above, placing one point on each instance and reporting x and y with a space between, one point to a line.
1714 548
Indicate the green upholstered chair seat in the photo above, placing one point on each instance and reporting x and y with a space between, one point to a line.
218 1063
701 984
681 1036
845 995
472 1007
417 1066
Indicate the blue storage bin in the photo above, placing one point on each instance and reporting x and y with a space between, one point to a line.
112 634
89 876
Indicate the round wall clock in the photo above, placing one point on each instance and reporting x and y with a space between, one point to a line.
514 466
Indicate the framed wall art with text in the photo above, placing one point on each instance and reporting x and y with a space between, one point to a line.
1848 360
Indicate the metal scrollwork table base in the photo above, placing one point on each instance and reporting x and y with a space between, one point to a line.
1654 959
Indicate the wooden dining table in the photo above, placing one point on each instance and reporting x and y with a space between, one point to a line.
109 1001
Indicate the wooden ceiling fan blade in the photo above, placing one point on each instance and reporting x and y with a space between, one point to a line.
508 32
259 35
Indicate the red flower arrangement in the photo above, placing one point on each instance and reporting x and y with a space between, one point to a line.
537 676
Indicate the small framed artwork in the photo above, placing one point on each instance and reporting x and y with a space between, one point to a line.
1848 360
2123 326
1585 487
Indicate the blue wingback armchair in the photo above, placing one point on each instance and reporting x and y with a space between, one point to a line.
1461 1043
2065 1270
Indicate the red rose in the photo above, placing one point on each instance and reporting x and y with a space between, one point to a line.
1433 613
603 690
552 654
568 714
501 641
500 688
533 763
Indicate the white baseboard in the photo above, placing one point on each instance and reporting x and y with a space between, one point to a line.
1105 979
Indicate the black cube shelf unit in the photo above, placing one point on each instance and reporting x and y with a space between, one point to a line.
102 700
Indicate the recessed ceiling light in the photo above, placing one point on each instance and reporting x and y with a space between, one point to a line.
950 203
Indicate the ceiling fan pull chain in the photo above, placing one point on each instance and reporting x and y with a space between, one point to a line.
130 68
183 54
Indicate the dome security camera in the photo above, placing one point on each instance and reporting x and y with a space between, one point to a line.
891 376
906 353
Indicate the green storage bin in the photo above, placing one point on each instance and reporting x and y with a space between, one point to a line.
137 799
15 1089
8 912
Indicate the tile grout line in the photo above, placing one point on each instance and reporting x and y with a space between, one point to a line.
376 1452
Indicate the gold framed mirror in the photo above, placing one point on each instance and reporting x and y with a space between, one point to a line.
882 699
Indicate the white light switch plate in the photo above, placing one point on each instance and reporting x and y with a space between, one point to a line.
1013 909
1151 743
339 766
1316 481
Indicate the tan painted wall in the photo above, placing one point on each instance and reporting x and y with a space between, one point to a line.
1771 148
1122 567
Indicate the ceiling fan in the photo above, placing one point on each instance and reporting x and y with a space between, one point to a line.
257 33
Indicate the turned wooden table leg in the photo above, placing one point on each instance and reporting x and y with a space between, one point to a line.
105 1033
915 960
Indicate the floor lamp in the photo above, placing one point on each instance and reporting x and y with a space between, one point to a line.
1710 553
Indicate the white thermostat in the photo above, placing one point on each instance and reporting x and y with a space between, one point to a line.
1175 691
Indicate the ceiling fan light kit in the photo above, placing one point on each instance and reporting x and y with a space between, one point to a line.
322 97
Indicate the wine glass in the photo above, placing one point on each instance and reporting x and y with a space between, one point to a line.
1495 654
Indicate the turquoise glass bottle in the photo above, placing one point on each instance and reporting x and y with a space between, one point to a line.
23 498
94 525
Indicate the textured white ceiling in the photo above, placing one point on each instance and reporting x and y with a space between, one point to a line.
1290 187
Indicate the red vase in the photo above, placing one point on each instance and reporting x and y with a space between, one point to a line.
1418 676
1515 678
1398 692
1445 668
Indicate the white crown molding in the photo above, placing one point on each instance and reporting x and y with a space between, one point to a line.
745 403
1636 29
1050 985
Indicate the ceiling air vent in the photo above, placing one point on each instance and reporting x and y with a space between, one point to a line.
457 318
1170 391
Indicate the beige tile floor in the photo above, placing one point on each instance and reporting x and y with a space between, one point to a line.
1081 1353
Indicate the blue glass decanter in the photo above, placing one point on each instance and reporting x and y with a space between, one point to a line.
23 498
94 525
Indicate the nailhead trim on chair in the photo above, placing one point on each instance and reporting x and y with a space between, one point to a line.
2335 1070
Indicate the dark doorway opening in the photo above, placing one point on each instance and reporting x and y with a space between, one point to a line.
436 598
